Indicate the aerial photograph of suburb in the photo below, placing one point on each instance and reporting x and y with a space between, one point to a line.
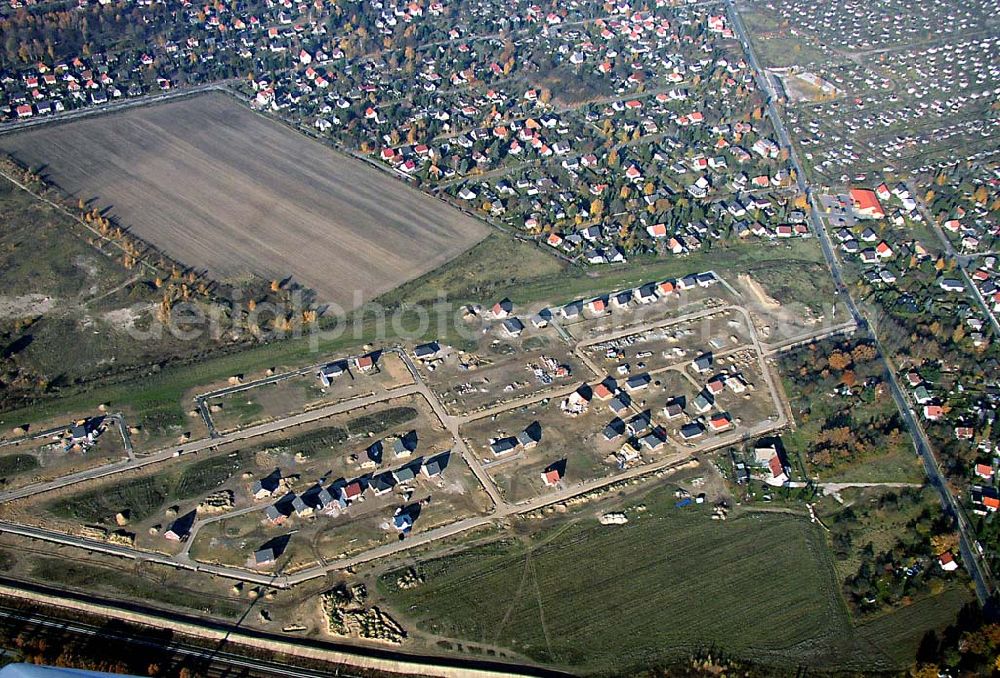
499 338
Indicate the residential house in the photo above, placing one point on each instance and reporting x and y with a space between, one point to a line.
266 486
638 382
692 430
503 445
427 351
382 483
702 364
330 372
947 562
614 429
513 327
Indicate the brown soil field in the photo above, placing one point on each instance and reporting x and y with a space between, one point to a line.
225 190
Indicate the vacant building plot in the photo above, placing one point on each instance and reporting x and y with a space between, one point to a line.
43 459
665 345
225 190
575 448
587 319
501 368
67 306
337 381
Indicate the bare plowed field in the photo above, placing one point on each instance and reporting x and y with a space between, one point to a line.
222 189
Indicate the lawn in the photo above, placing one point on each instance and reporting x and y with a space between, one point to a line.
613 600
141 497
807 283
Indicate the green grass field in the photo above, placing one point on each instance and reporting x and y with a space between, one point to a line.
806 282
775 45
898 634
142 497
617 599
12 464
139 587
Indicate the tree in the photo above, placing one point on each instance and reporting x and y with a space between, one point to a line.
839 361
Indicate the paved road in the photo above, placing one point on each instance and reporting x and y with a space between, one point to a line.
108 548
124 104
975 566
801 340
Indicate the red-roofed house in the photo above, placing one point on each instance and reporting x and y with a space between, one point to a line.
777 474
351 491
933 412
657 231
866 203
602 392
722 422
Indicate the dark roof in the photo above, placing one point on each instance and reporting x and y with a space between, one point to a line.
692 430
704 361
638 380
375 451
531 434
265 555
615 428
503 444
620 402
405 473
437 464
513 325
382 482
430 348
640 421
